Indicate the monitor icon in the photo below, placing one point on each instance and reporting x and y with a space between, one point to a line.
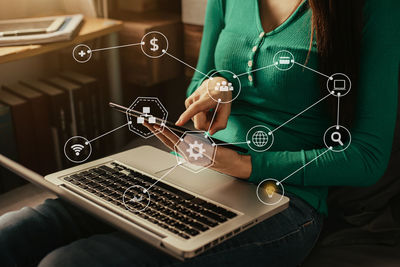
339 85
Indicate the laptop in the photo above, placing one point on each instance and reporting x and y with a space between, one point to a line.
183 214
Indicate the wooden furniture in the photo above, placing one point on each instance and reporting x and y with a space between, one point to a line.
141 70
192 35
92 28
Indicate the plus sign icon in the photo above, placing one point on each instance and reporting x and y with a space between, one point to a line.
82 53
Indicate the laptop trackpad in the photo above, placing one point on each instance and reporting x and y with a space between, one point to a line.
157 163
197 182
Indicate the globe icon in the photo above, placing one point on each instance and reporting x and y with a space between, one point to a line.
259 138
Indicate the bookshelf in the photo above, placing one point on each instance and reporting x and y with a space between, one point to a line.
91 28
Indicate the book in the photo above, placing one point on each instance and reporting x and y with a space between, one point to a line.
93 100
41 125
76 97
23 129
8 148
60 119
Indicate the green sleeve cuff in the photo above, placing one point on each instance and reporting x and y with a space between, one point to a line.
257 173
272 164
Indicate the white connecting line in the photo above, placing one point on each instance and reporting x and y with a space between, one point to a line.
215 112
142 43
330 148
108 132
237 143
114 47
299 114
244 73
338 111
274 64
184 63
170 169
320 73
162 177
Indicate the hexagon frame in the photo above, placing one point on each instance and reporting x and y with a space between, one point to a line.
177 151
131 107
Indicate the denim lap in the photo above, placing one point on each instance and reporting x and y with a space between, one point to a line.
58 234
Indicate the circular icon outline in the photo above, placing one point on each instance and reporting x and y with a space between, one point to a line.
330 136
332 79
276 64
269 133
234 76
142 43
89 51
278 184
145 191
87 143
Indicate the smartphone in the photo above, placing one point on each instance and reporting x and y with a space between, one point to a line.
176 129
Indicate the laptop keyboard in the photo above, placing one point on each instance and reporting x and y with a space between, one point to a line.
170 208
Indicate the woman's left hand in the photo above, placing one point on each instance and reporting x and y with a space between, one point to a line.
226 160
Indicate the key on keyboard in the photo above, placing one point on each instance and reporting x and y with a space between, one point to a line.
172 209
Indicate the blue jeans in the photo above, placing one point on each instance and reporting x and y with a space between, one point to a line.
59 234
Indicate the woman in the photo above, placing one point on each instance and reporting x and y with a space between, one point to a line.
359 39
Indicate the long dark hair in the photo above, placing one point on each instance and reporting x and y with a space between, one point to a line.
337 25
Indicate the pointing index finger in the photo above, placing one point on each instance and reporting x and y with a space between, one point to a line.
192 110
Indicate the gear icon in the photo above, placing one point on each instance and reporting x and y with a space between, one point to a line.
195 150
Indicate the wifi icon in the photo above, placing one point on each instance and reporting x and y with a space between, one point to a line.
77 148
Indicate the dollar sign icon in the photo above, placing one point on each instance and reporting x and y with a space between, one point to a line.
153 42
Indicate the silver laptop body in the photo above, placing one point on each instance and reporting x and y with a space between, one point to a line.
228 193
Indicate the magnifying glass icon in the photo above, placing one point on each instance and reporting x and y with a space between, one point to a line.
337 137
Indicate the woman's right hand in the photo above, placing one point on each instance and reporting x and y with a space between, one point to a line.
200 104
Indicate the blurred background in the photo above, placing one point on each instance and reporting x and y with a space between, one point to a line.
32 75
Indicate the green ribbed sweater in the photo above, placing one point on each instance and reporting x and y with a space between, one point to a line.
232 30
